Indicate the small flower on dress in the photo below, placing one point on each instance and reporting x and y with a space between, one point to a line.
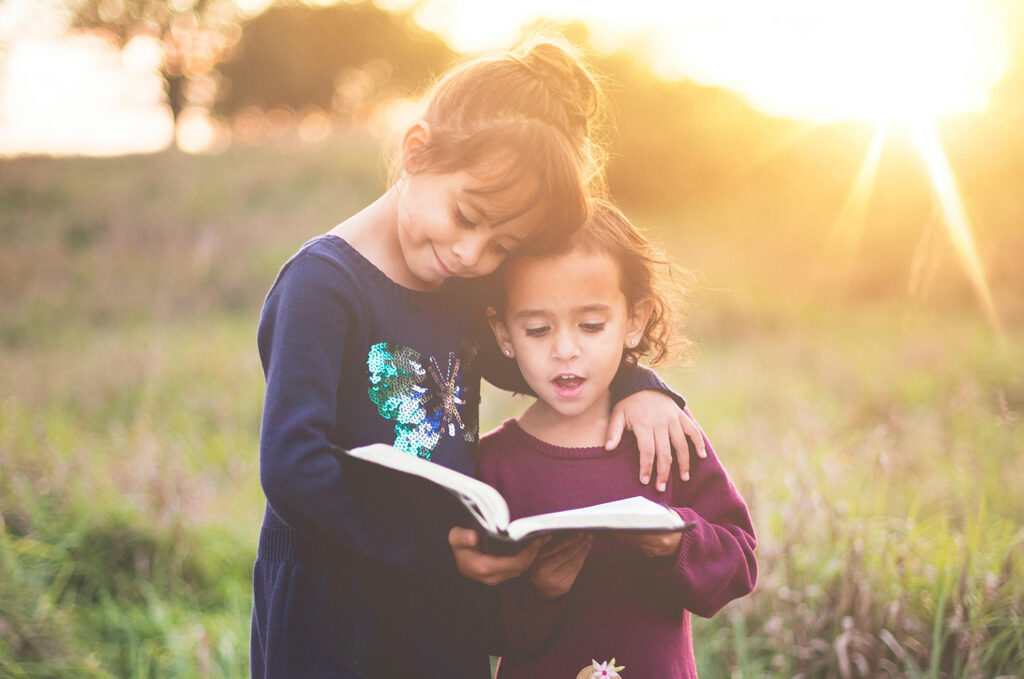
604 670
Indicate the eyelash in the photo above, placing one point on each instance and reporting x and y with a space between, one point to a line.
587 327
465 222
461 217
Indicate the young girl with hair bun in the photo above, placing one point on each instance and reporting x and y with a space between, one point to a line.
370 334
572 319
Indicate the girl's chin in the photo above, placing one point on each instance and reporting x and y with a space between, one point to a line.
570 407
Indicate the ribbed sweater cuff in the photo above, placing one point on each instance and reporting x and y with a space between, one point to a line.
284 544
677 565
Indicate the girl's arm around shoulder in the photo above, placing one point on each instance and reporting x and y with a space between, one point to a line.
655 415
304 342
715 562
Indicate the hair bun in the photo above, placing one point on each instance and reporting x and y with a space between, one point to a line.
542 95
562 70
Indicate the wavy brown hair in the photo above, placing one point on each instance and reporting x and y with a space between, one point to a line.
645 273
538 107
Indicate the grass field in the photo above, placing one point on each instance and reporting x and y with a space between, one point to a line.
877 436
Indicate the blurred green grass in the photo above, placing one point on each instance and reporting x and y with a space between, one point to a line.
877 436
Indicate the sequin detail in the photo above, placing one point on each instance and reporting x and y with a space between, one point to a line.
425 402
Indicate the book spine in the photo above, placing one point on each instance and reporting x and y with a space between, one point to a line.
498 545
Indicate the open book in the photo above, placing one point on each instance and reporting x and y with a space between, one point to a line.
490 513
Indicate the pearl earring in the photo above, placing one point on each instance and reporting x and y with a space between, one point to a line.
508 353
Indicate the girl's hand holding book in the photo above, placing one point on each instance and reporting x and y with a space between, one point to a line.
487 569
654 545
660 427
554 570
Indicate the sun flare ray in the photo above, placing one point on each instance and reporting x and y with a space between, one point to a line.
954 215
849 226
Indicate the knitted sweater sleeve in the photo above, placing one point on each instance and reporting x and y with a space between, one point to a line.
716 561
303 337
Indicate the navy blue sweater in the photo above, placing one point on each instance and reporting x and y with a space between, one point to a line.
354 575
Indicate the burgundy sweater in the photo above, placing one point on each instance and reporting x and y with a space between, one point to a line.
624 605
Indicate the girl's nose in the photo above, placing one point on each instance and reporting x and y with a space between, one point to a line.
566 347
469 250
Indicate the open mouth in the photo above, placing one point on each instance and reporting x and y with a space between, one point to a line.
568 384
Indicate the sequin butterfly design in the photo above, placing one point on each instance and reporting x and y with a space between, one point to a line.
422 397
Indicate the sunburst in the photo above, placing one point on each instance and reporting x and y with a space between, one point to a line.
954 217
929 146
924 60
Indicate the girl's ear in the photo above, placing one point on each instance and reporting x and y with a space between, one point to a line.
636 324
413 142
500 332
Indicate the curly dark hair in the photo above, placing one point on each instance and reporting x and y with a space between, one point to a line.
645 273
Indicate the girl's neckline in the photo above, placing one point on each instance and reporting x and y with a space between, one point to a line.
368 268
513 427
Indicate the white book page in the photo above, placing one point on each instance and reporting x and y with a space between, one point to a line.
488 504
635 513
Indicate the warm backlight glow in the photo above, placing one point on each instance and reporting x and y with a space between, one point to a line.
853 215
896 62
899 63
926 138
869 59
816 60
80 95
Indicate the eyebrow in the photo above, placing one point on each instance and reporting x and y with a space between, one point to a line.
534 313
530 313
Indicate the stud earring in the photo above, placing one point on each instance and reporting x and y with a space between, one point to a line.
508 353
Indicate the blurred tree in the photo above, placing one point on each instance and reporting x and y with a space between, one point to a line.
673 138
343 58
194 35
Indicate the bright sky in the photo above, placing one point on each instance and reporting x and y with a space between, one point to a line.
818 60
82 96
813 59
